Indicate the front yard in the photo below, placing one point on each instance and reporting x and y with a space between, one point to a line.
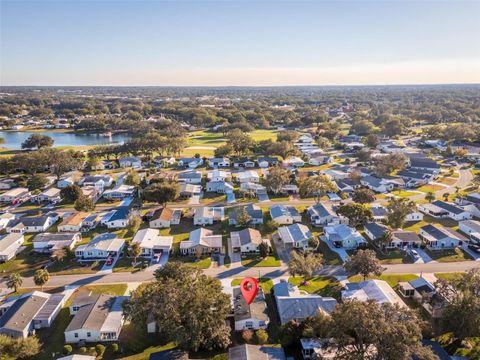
252 260
392 280
321 285
449 255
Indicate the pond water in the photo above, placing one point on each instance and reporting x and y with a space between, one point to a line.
14 139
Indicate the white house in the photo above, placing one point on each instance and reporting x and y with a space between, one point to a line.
190 177
322 214
320 160
344 236
293 162
376 184
119 192
118 218
470 228
7 184
442 209
15 196
10 244
246 241
254 211
165 217
208 215
375 290
296 235
52 194
252 316
203 239
73 222
32 224
248 176
130 161
219 162
218 175
50 242
101 247
100 320
152 243
191 163
285 215
5 219
100 182
438 237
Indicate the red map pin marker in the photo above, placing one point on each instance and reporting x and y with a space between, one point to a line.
249 288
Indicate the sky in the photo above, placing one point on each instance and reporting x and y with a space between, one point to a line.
238 43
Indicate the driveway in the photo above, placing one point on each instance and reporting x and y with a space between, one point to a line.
235 257
424 256
283 250
341 252
473 254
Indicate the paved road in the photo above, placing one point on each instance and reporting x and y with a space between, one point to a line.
465 177
240 271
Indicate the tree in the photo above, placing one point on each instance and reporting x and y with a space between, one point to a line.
317 186
134 221
19 348
93 162
363 196
385 239
385 165
37 141
223 151
162 193
60 162
135 251
397 210
71 193
430 196
357 214
462 312
37 181
243 217
446 196
283 148
264 249
188 307
371 141
304 264
261 336
41 277
362 127
313 242
365 263
132 178
14 281
84 203
240 142
476 179
276 178
368 330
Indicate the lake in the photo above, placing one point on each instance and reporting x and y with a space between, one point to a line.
14 139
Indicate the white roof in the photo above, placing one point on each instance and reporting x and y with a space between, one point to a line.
377 290
103 242
15 192
9 240
203 237
150 239
51 192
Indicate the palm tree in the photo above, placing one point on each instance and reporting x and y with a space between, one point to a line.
41 277
446 196
430 196
14 281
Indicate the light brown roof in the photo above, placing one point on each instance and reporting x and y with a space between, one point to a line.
166 214
75 219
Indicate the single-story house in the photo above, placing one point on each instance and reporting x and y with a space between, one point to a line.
419 162
208 215
7 184
267 161
100 182
344 236
293 162
471 228
296 235
15 196
189 190
50 242
119 192
218 175
20 316
257 352
376 290
243 163
254 211
190 177
439 237
165 217
99 321
10 244
322 214
285 215
73 222
100 247
320 160
32 224
376 184
294 305
254 188
219 187
5 219
246 241
248 176
152 243
130 161
374 230
119 218
219 162
52 194
252 316
202 239
379 212
442 209
191 163
416 288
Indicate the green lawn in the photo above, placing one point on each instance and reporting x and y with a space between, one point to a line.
329 257
415 226
448 255
321 285
392 280
203 263
403 193
394 257
265 283
251 261
449 276
124 264
430 187
111 289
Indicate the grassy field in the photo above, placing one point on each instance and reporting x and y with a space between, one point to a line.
265 283
415 226
449 255
430 187
449 276
394 257
404 193
257 261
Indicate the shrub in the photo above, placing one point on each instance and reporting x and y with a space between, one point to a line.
262 336
67 349
114 347
92 351
82 350
247 335
100 349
